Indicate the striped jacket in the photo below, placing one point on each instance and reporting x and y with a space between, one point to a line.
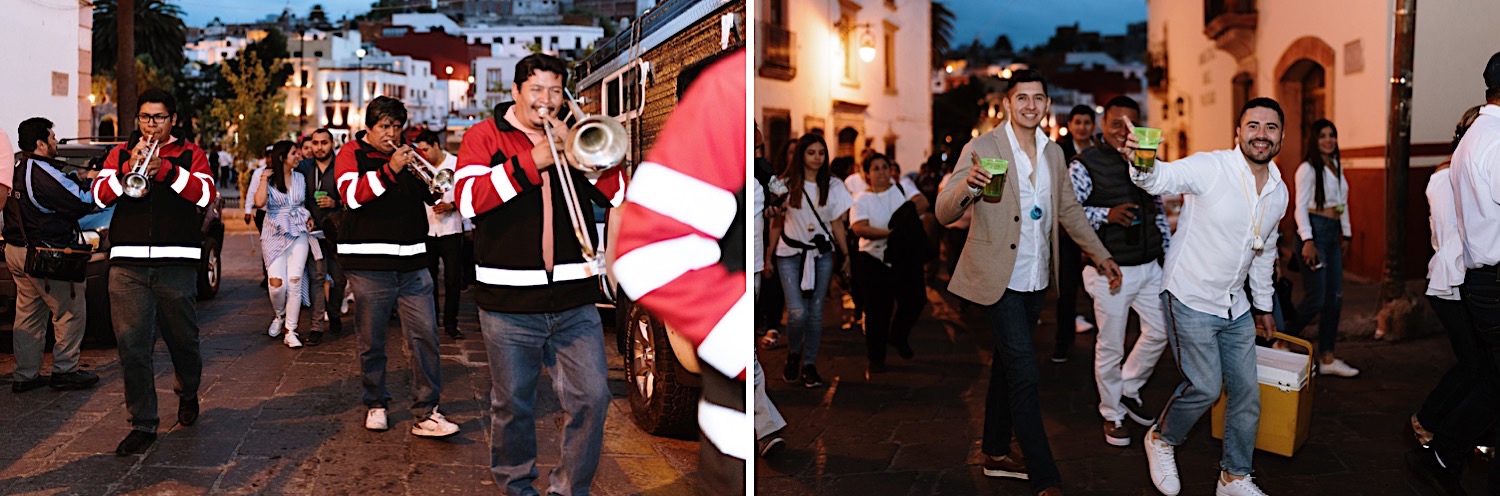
164 227
385 228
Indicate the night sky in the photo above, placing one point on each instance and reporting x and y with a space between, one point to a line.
1031 22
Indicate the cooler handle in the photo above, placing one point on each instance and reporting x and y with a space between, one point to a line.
1299 342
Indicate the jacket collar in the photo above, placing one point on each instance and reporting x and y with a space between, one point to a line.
499 117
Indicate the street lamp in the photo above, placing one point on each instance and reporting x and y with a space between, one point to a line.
846 27
361 91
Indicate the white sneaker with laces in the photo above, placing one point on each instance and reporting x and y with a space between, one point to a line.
291 340
348 300
1162 459
276 325
1082 325
375 420
434 426
1338 368
1242 487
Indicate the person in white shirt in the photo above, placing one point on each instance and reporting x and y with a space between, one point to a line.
768 420
808 234
445 237
253 213
1233 201
1322 214
894 291
1475 177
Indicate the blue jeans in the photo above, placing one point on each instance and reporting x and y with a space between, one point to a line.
804 314
143 302
1213 352
571 344
1325 287
1012 404
411 293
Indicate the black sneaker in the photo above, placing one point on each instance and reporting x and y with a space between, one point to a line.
81 379
314 338
24 386
793 369
810 377
187 411
1428 466
135 443
904 350
336 326
1137 411
454 333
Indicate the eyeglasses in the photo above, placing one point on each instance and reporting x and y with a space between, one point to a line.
153 118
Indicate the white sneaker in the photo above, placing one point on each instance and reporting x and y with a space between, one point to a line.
1338 368
1242 487
275 330
375 420
434 426
291 340
1162 459
348 300
1082 325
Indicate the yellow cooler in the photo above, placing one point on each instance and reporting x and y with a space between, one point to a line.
1286 395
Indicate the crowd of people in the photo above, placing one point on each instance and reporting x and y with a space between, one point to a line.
1209 288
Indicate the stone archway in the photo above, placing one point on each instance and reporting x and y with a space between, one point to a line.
1304 88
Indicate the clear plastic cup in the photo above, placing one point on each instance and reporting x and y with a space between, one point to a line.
1145 152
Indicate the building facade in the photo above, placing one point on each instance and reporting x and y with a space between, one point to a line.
1207 57
812 76
50 64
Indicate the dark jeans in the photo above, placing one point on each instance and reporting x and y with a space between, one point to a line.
889 291
771 305
144 302
1012 404
410 293
953 246
1477 413
1461 378
1325 287
1069 280
450 250
335 271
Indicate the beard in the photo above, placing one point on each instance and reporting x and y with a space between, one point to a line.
1257 155
322 156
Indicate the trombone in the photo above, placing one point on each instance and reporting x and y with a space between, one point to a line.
594 143
136 183
439 181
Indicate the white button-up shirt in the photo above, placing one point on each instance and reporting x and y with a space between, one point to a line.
1445 271
1476 189
1335 194
1033 250
1213 251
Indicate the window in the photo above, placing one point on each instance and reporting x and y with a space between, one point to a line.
344 90
328 91
538 41
495 39
512 40
554 43
777 15
577 42
302 108
612 90
306 83
318 53
889 50
327 111
495 77
297 54
369 90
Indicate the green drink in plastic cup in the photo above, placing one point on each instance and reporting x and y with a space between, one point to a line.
318 195
996 168
1145 152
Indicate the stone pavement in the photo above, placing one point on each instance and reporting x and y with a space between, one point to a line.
915 430
282 421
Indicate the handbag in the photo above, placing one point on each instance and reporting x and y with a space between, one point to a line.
59 262
908 242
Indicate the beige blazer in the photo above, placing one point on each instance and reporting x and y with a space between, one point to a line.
984 268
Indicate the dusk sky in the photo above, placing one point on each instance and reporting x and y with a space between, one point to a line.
1031 22
199 12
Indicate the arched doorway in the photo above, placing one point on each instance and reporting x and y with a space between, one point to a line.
106 127
1305 90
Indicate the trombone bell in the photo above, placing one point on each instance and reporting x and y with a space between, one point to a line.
596 143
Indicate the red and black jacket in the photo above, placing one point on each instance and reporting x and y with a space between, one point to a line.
499 187
164 227
385 228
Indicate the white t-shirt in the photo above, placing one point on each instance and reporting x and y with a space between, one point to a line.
757 211
801 224
877 208
856 184
450 223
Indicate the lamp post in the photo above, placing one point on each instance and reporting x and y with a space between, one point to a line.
361 90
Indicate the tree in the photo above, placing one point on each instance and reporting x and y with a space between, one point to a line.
317 17
252 120
159 33
1002 47
942 33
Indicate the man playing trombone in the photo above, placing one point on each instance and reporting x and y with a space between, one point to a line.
383 248
537 277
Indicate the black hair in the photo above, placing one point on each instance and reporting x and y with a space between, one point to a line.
33 130
157 95
540 62
1124 102
1314 157
1078 110
428 136
1263 102
1026 76
870 160
1463 125
321 130
382 107
1492 94
795 170
276 161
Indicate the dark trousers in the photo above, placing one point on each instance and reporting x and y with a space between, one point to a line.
144 302
260 221
1012 406
450 251
772 302
1464 427
1324 298
335 271
889 291
953 246
722 473
1069 280
1461 378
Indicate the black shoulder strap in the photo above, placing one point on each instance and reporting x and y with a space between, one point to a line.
814 209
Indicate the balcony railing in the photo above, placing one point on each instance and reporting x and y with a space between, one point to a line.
777 52
1231 24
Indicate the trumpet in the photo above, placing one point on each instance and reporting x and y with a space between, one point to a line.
438 180
136 182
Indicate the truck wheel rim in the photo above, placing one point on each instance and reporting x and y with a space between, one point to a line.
644 359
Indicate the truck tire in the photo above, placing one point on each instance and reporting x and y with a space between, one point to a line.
663 395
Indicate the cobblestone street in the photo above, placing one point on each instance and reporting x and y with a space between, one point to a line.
282 421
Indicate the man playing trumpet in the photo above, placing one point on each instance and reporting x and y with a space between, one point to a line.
536 288
383 247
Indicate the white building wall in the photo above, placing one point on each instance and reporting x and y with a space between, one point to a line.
46 40
1454 40
568 37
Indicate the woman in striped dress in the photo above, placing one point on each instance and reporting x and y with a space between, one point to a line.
285 239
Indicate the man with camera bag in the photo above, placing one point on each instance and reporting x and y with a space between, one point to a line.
46 214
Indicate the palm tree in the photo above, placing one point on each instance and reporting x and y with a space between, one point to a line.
942 33
159 34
